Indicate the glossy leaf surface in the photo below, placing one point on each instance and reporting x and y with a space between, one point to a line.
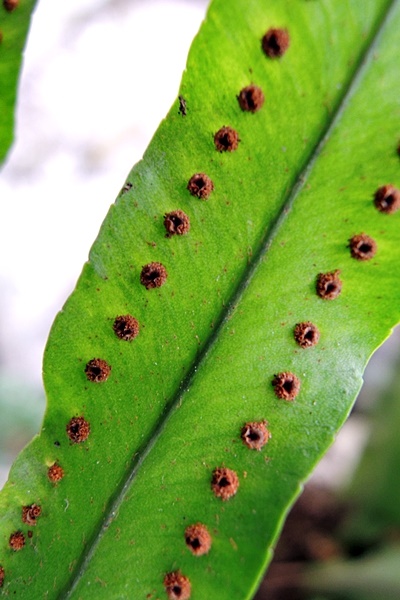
284 206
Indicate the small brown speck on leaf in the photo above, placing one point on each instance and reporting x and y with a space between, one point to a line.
362 247
30 514
226 139
387 199
10 5
2 576
255 435
329 285
286 386
126 187
306 334
200 185
97 370
55 473
126 327
177 586
198 539
78 430
153 275
176 223
275 42
251 98
224 483
17 541
182 106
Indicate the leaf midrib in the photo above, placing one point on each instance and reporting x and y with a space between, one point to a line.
270 233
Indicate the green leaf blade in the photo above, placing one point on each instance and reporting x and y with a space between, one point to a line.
214 336
14 28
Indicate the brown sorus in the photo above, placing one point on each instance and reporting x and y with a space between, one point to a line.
126 327
17 541
255 435
387 199
286 385
226 139
329 285
251 98
78 430
200 185
362 247
198 539
177 586
153 275
2 576
97 370
176 223
224 483
55 473
30 514
10 5
306 334
275 42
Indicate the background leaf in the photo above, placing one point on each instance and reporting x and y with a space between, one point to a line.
375 488
14 26
373 576
212 337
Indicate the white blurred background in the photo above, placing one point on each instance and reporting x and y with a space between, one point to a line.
82 122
